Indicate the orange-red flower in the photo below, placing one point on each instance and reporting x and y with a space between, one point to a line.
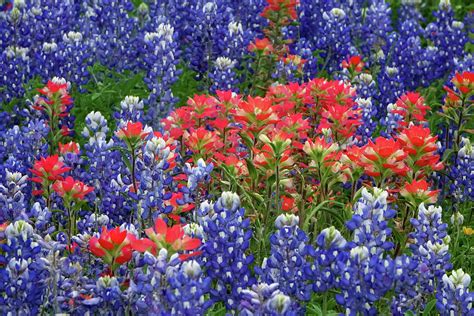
261 45
418 192
284 10
383 158
70 147
46 171
411 106
353 63
113 246
72 188
132 131
172 239
464 82
256 113
421 148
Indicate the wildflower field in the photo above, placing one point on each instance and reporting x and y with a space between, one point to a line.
236 157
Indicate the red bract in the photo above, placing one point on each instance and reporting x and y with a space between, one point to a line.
132 131
383 158
70 147
354 64
283 10
262 46
46 171
418 192
172 239
464 82
203 106
287 204
342 120
421 148
113 246
71 188
411 106
255 113
52 93
202 142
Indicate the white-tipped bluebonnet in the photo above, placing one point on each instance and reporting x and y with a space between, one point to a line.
453 296
12 199
131 109
223 75
161 53
22 280
198 174
330 243
430 246
265 299
366 272
462 173
287 264
228 235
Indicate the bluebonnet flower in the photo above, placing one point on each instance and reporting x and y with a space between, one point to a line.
154 177
131 109
265 299
366 273
405 285
23 144
376 27
228 238
12 199
330 243
369 112
187 290
22 280
197 174
453 296
74 56
287 264
334 39
430 246
160 59
462 173
223 76
448 35
409 11
391 86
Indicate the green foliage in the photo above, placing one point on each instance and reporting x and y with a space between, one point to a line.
186 86
104 93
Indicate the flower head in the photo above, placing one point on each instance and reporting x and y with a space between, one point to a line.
72 188
113 246
47 170
172 238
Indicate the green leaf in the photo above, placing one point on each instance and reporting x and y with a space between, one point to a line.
429 307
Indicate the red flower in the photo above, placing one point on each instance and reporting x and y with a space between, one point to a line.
342 120
202 141
353 63
288 204
46 171
171 238
280 10
418 192
72 188
464 82
262 45
256 113
132 131
421 148
113 246
70 147
383 158
411 106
